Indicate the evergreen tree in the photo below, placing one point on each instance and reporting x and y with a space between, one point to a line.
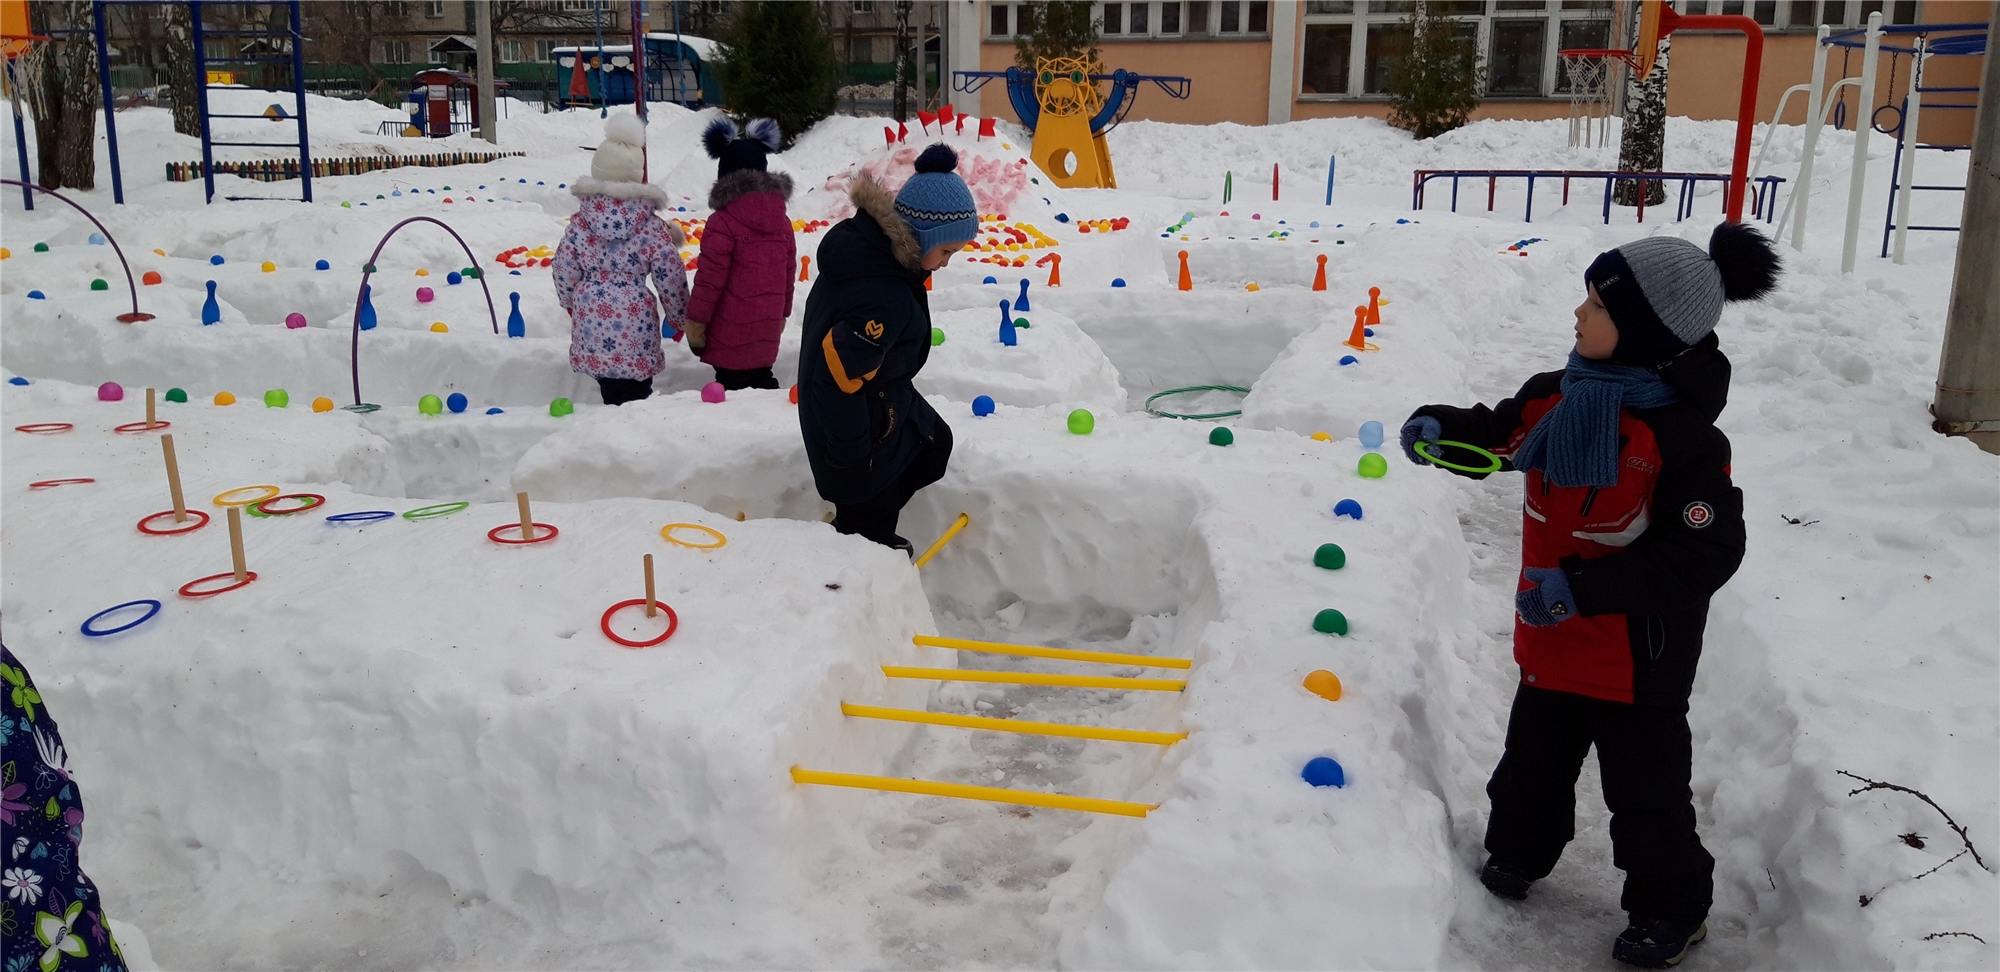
1054 28
775 60
1436 85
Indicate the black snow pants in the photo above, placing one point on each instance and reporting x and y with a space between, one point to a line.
876 517
1646 756
618 391
732 380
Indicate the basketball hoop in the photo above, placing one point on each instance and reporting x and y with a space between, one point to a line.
1593 74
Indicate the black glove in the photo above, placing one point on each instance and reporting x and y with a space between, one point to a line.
1420 428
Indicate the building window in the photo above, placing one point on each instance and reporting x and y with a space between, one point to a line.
432 56
1243 17
1329 7
998 20
395 52
864 6
1514 61
1114 18
1328 55
1388 44
861 50
510 52
1170 18
1232 17
545 49
1138 22
434 9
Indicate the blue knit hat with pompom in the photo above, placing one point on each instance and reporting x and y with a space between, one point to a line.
936 203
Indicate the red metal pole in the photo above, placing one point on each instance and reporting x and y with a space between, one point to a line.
1746 111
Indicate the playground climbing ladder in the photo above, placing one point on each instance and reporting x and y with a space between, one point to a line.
258 49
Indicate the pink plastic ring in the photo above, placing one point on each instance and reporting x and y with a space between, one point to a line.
248 576
494 534
189 528
673 622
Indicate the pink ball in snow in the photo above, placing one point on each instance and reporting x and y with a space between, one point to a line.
111 391
712 392
424 295
295 320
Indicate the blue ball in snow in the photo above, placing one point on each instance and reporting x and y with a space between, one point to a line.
456 402
323 265
1315 224
983 405
1117 281
453 278
1371 435
37 295
1348 359
17 380
215 260
1321 771
515 273
1367 332
1347 507
989 280
97 239
494 411
1062 217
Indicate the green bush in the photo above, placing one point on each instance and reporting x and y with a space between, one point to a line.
1054 28
775 60
1435 86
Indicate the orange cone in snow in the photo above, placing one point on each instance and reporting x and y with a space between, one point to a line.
1358 339
1374 306
1319 276
1187 281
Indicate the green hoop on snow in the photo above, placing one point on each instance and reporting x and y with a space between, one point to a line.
432 512
1495 460
1163 413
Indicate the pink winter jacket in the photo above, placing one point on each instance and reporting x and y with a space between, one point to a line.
743 280
615 243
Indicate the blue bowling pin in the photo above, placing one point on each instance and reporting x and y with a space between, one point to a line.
1007 326
211 312
516 327
367 317
1021 305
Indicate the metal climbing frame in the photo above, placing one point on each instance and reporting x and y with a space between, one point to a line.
283 47
1957 39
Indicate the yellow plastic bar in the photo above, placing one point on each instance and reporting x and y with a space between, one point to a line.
1012 725
1037 678
951 531
1054 801
1037 651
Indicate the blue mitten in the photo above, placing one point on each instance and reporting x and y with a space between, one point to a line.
1547 603
1420 428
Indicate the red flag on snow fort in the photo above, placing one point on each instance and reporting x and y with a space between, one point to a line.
945 114
902 132
926 119
986 127
889 135
960 127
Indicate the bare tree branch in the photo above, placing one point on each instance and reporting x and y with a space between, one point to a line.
1953 824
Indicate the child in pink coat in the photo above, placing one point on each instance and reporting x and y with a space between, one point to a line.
613 244
743 287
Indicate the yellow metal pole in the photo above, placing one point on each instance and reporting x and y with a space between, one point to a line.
1055 801
1012 725
1037 651
951 531
1037 678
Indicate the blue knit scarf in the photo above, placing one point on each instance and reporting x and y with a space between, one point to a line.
1576 443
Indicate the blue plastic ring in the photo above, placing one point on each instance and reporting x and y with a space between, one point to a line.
362 517
127 626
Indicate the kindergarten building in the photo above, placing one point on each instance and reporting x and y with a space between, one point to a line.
1270 61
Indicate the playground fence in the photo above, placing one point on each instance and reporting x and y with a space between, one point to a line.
276 170
1763 188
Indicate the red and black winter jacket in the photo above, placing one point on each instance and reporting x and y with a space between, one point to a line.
1643 555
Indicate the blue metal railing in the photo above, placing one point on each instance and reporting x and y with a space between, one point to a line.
1763 188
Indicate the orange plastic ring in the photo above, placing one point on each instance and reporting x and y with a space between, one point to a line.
668 533
248 576
271 491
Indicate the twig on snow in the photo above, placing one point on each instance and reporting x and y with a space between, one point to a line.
1933 936
1953 824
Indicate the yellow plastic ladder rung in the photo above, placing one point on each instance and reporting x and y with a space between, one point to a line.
993 794
951 531
1037 651
1037 678
1012 725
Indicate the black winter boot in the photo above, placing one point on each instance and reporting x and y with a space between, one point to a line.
1507 882
1657 943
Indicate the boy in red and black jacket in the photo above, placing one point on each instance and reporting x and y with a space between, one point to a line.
1630 523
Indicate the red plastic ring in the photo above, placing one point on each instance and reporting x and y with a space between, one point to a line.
46 483
494 534
190 528
248 576
673 622
141 427
44 428
316 498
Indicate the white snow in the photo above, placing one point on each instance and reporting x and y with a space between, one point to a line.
405 745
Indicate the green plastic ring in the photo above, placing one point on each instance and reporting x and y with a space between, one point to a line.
1163 413
1495 467
441 509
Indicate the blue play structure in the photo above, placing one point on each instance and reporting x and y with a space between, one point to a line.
679 68
1117 102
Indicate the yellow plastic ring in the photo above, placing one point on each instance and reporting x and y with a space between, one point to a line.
269 492
668 532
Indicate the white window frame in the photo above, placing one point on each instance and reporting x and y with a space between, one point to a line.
1242 31
434 9
394 46
510 51
1013 22
1371 13
1153 15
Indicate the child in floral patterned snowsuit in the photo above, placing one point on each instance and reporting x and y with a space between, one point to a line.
614 242
48 909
